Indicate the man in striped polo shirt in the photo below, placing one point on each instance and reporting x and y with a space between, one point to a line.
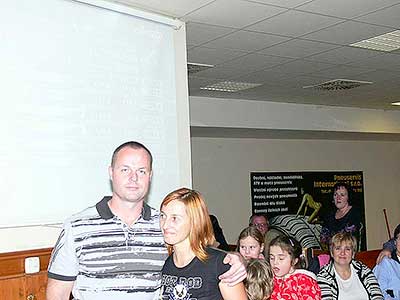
115 250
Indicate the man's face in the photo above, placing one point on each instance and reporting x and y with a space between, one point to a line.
261 223
131 175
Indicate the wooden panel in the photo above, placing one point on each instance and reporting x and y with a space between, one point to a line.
12 289
368 257
14 283
35 284
13 263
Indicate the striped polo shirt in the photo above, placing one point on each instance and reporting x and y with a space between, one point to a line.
107 259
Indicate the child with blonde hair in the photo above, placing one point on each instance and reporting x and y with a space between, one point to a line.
259 281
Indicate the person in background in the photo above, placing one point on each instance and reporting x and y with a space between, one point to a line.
259 282
115 249
260 221
193 267
345 278
250 243
388 271
291 282
387 249
346 218
220 241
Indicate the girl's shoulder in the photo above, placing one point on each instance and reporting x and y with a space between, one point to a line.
304 274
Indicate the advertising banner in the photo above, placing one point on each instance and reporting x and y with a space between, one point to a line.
302 204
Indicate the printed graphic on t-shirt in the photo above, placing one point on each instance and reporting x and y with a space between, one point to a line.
181 288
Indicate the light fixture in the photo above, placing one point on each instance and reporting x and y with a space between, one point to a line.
386 42
196 67
230 86
396 103
337 84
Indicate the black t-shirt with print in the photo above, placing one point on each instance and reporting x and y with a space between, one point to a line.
196 281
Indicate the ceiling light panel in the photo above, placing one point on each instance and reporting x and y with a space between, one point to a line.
337 84
386 42
196 67
230 86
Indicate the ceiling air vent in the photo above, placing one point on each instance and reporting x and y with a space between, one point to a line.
337 84
195 67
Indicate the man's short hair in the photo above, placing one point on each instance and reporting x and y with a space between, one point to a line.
258 215
133 145
396 232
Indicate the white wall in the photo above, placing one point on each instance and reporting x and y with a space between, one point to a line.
234 113
222 166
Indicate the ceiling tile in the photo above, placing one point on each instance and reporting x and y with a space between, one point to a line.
343 55
264 76
197 34
343 72
385 17
347 33
246 41
212 56
302 67
232 13
297 48
282 3
385 61
255 62
173 8
346 8
381 76
294 23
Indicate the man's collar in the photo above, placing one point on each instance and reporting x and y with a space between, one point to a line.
105 212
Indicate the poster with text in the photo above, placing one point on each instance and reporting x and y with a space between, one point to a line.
302 205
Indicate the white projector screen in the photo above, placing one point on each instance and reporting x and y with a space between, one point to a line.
77 81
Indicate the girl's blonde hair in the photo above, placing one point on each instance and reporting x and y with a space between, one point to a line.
201 234
259 281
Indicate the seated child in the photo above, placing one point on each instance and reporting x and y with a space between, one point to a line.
259 281
291 282
251 243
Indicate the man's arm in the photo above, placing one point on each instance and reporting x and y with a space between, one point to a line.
388 247
237 272
58 290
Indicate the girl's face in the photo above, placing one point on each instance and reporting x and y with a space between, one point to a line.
250 248
281 261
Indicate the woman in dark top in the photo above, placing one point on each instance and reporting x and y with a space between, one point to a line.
193 268
346 218
220 241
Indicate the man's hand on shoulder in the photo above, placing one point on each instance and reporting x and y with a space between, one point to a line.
237 272
382 254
